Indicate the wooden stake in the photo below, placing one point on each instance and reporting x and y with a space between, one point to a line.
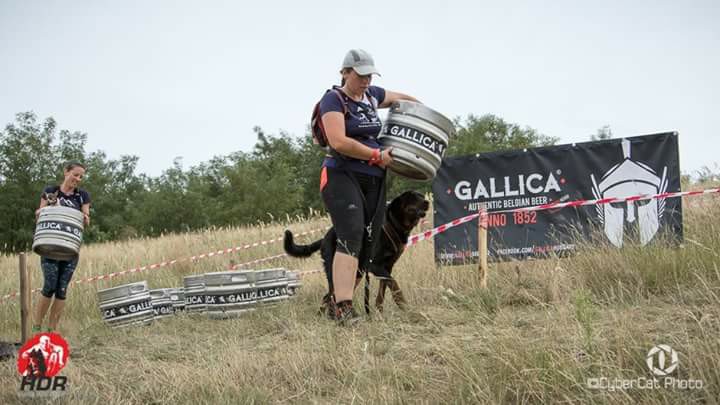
482 247
25 299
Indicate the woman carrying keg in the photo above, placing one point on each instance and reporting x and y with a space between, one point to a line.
57 273
352 179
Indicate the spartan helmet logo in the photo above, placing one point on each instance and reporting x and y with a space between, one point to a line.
626 179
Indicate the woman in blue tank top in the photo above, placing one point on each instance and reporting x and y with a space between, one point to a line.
352 180
57 273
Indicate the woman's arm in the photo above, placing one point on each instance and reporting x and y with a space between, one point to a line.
392 96
86 214
43 203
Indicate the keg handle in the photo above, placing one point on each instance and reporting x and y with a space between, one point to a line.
137 288
403 154
159 294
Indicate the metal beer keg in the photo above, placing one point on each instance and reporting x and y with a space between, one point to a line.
194 287
58 233
294 283
419 136
162 303
177 297
128 304
272 285
230 293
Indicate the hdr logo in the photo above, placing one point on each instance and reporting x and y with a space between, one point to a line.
39 361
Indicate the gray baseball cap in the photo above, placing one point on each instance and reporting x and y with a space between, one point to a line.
361 62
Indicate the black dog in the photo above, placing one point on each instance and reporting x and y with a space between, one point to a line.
401 216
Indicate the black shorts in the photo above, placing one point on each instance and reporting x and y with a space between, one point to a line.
356 204
57 275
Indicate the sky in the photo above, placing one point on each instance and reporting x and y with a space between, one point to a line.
166 79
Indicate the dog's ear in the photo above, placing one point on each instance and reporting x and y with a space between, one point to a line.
410 197
396 206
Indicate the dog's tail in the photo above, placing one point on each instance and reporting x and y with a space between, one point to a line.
299 250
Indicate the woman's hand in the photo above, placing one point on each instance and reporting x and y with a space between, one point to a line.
386 158
393 96
86 219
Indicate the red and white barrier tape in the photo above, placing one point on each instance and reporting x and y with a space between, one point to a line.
556 205
171 262
308 272
440 229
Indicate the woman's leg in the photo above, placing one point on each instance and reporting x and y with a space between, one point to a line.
344 203
55 312
344 269
66 270
40 310
50 279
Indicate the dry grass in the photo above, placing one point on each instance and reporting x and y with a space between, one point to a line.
535 336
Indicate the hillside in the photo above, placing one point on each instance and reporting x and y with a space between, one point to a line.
536 335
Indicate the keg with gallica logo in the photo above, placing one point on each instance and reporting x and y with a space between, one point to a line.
230 293
128 304
162 302
294 283
272 285
419 136
177 297
220 295
194 288
58 233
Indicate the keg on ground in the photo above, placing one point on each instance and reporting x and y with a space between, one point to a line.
177 297
294 283
58 233
230 293
167 301
194 287
419 136
272 285
128 304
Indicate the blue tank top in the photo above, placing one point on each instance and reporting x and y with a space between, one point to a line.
362 123
76 199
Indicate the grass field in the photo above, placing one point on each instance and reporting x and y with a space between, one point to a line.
536 335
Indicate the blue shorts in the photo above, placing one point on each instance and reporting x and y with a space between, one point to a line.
57 274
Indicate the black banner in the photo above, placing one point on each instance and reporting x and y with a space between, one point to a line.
584 171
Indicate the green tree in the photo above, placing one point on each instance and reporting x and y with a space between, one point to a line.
170 205
115 191
27 165
490 133
602 133
708 175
